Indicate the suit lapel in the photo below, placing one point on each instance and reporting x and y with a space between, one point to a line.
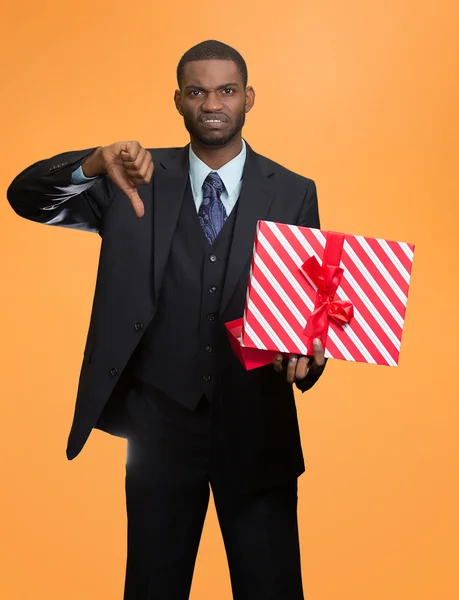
257 193
170 179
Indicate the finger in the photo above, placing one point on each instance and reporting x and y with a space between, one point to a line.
138 176
277 363
147 178
134 163
131 164
122 181
130 151
136 202
319 355
291 368
131 192
302 367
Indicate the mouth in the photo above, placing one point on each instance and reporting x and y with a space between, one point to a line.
213 122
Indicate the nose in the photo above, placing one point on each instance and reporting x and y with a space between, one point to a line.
212 102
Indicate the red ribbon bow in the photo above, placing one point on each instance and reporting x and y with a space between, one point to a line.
327 279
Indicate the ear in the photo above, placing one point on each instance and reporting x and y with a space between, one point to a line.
178 101
249 98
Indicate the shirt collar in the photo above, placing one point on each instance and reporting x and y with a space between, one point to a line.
230 173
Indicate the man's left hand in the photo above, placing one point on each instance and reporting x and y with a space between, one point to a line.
299 367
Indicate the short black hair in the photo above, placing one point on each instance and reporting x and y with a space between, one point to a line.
212 50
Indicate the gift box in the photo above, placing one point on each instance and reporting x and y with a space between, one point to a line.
349 291
251 358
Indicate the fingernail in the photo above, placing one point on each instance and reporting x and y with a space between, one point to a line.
317 343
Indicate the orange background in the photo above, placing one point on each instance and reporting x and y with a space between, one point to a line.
361 96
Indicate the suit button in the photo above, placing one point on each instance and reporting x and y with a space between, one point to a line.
206 377
138 326
212 289
211 317
213 258
113 371
208 348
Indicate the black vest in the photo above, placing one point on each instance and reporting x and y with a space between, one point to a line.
179 350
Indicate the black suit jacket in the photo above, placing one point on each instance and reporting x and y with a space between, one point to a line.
260 407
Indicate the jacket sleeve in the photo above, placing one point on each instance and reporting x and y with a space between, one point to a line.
44 193
309 217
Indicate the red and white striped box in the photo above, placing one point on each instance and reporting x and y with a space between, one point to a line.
307 283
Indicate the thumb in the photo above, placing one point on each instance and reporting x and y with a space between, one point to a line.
125 155
122 181
134 199
319 354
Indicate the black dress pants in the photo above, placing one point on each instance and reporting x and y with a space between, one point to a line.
170 468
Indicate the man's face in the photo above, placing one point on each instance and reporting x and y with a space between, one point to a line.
213 101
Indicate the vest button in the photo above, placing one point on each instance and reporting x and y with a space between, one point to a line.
208 348
211 317
138 326
113 371
206 377
212 289
213 258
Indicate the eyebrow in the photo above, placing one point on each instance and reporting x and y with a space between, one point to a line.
220 87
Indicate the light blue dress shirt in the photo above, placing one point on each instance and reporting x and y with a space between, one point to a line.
230 174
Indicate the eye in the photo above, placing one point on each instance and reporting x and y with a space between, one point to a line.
228 90
195 92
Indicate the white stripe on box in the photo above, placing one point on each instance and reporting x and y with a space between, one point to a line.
281 292
254 337
373 284
367 302
285 297
360 318
294 283
382 268
371 334
267 327
306 245
279 316
357 342
407 250
394 259
327 354
357 315
371 308
281 266
299 261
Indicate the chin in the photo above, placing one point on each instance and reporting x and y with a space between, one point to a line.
214 139
217 139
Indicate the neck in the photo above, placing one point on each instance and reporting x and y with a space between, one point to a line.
216 157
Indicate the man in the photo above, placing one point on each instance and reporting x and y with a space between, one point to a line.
158 368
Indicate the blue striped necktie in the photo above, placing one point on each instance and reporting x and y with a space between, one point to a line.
212 214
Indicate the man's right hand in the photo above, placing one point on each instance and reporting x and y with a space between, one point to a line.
127 164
